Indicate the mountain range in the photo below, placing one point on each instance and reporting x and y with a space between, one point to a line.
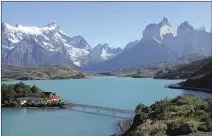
30 45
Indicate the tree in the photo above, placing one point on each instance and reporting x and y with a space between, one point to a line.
11 92
34 89
142 108
8 93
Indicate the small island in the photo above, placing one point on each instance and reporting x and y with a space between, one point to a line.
22 95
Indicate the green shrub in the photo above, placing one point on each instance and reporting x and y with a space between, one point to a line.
179 116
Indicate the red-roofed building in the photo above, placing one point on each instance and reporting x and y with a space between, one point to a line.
52 96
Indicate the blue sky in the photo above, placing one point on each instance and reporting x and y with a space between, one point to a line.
115 23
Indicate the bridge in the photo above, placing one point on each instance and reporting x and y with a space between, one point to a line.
102 108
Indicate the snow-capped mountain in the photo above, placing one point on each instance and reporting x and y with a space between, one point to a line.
150 49
29 45
158 44
187 42
157 31
102 52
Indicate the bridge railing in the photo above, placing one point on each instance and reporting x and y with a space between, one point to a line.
116 110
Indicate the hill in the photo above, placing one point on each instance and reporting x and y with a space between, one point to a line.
185 71
199 80
43 72
162 70
184 115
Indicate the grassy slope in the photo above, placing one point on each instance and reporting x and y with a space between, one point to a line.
169 70
130 73
184 71
144 71
12 72
183 115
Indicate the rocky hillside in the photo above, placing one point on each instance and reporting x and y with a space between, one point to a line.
101 53
184 71
201 79
12 72
187 115
31 46
165 70
137 56
130 45
158 44
190 40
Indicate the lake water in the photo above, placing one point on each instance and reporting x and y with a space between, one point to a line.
125 93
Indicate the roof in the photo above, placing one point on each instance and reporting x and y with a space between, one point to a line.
47 93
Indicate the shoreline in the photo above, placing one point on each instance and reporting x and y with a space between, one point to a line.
124 125
178 86
90 77
5 80
35 107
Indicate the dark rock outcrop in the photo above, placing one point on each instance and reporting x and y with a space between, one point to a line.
179 129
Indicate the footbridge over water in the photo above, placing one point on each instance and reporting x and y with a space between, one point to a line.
98 108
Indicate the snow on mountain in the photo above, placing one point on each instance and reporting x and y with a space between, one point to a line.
142 53
159 44
150 49
165 28
158 31
30 45
102 52
188 40
49 39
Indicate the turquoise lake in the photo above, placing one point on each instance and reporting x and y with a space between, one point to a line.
115 92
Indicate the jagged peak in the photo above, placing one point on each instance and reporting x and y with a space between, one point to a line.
79 42
151 26
32 30
105 45
78 37
164 22
157 30
53 24
3 25
18 25
202 29
186 26
6 25
119 48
